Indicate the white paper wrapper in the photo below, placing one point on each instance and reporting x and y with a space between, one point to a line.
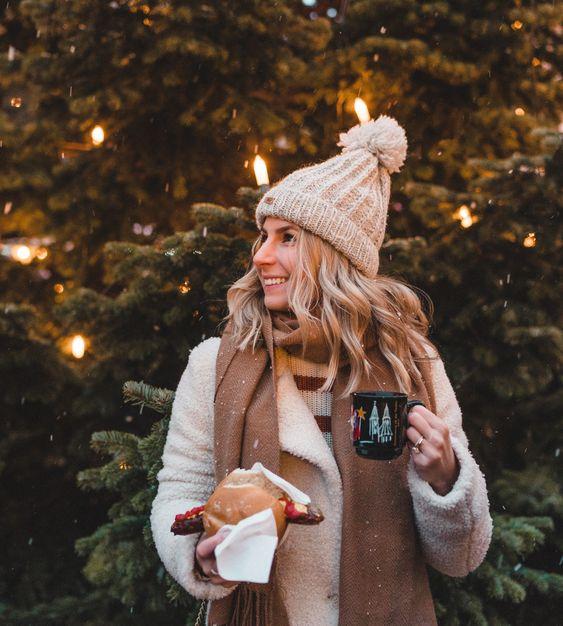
295 494
248 551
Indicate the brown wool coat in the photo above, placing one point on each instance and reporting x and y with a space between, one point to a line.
368 554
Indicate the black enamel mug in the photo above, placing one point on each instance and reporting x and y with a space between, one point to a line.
379 421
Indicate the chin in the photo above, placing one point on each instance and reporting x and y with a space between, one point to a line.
274 304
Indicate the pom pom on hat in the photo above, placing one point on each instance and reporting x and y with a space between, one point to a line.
383 137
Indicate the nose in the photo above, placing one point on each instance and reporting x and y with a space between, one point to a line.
264 255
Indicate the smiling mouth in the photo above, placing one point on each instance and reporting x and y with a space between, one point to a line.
274 282
268 287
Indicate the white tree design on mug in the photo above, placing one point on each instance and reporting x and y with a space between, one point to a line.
385 432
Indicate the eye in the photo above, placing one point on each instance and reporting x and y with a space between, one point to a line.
292 236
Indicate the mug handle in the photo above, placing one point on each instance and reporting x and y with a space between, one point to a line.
412 403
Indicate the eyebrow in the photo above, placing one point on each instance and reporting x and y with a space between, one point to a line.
281 229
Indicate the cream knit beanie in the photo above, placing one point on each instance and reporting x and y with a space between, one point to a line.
345 200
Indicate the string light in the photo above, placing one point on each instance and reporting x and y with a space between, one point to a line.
59 288
78 346
519 111
261 171
185 287
24 250
362 111
529 241
463 214
16 102
97 135
22 254
467 221
123 465
517 25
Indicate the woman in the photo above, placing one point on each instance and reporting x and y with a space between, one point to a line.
308 324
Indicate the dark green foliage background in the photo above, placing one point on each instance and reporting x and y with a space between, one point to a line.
187 94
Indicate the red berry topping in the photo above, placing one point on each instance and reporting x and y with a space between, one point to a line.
193 512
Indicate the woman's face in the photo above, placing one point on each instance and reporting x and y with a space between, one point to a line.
276 259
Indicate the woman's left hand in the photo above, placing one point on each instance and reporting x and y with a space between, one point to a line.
436 462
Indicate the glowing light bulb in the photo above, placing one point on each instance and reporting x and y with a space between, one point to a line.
42 253
261 171
22 254
529 241
466 221
59 288
362 111
517 25
519 111
97 135
16 102
78 346
464 211
463 214
185 287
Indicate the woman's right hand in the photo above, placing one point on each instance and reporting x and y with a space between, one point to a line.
205 556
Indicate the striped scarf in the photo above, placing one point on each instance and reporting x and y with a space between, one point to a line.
309 378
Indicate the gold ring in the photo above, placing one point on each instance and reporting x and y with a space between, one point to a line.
417 444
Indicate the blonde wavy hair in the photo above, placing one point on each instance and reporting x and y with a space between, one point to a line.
346 302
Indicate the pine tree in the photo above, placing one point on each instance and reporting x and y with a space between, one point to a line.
185 95
180 89
158 301
471 78
38 524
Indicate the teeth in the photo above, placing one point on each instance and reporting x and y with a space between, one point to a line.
274 281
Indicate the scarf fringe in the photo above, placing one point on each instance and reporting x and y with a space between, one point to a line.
251 608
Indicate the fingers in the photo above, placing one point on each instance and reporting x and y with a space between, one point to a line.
206 547
431 427
205 553
412 435
418 420
437 423
436 463
428 451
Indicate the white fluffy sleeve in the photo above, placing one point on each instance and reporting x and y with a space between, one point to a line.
187 478
455 529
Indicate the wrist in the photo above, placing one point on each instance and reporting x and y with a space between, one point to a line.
443 487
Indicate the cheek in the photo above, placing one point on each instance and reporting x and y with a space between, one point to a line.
290 260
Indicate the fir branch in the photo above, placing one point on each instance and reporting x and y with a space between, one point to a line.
117 530
141 394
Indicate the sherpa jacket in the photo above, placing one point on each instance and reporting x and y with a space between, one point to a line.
454 530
